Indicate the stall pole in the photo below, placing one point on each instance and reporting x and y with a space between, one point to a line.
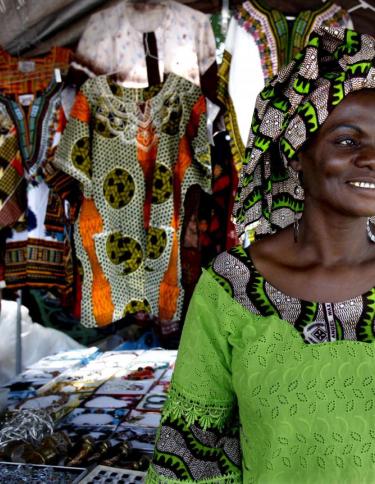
19 334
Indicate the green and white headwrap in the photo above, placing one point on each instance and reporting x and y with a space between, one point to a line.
289 110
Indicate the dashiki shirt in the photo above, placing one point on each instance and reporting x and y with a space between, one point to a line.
135 151
267 388
113 42
31 121
258 43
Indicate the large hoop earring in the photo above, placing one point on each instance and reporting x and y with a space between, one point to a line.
370 233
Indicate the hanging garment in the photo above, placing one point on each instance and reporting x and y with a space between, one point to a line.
135 151
208 227
259 41
32 118
113 41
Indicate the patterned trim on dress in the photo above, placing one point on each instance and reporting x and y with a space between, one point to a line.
34 136
37 263
250 18
316 322
230 117
154 473
201 454
276 42
207 441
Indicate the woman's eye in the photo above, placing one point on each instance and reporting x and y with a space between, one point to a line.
346 142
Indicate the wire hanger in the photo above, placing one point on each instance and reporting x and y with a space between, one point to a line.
147 50
362 4
225 16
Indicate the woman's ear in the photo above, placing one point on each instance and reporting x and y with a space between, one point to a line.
295 164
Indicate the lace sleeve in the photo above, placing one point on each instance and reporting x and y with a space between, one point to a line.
198 439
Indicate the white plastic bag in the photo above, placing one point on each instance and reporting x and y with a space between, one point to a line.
37 341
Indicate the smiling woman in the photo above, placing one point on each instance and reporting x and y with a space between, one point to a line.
333 257
274 381
339 162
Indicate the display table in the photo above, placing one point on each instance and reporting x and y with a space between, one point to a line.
84 416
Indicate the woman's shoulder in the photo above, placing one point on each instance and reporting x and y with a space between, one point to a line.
236 273
231 269
230 259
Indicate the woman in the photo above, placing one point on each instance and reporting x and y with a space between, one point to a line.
274 381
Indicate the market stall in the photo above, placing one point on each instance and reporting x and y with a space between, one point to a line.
123 127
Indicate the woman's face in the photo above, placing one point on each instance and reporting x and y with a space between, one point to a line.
338 165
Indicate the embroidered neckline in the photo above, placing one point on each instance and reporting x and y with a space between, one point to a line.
276 42
29 125
133 96
125 103
247 259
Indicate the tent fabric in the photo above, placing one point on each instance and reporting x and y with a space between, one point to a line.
31 27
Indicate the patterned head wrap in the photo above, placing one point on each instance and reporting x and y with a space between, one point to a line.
289 110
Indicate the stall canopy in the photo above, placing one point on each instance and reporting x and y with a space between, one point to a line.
33 26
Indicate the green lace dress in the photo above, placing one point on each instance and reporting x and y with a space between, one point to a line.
268 388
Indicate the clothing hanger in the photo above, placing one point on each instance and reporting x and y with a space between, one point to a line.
154 2
144 3
147 51
225 16
362 4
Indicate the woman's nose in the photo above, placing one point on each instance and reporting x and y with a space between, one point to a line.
366 157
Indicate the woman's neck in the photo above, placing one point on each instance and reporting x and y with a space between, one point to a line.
334 239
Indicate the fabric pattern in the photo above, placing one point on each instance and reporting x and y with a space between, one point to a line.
32 74
32 118
306 410
12 182
289 110
113 42
266 40
209 453
135 152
